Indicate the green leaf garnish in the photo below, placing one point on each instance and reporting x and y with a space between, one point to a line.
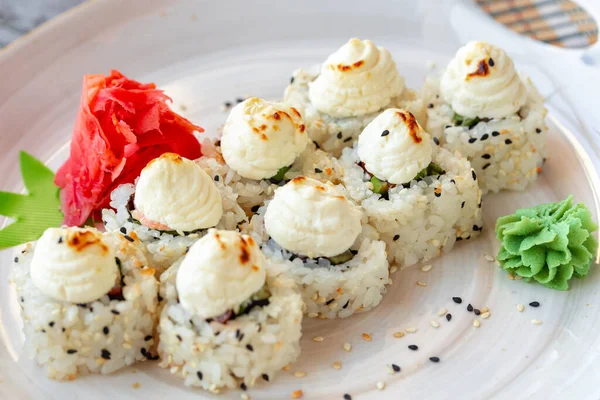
462 121
379 186
33 212
280 175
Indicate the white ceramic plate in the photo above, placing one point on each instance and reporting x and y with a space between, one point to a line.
204 53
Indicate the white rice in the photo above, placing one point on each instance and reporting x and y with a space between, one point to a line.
415 223
333 134
330 291
251 193
506 153
252 347
162 248
102 336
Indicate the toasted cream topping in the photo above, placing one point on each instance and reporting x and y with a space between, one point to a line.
481 81
74 265
176 193
394 147
219 272
311 218
358 79
261 137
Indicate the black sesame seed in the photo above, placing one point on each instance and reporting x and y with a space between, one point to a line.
71 351
476 311
160 298
354 252
486 156
430 105
179 338
475 228
436 140
249 347
60 238
347 397
316 144
508 141
385 133
227 104
484 136
255 208
346 305
473 175
292 80
458 238
318 170
22 299
448 126
491 62
495 133
395 368
128 238
105 354
105 330
538 130
462 205
43 331
472 140
329 302
16 259
347 139
237 333
457 300
243 386
144 352
453 181
434 359
437 194
486 165
239 100
339 135
199 375
534 304
396 237
413 347
217 178
469 308
265 377
448 317
63 329
115 312
123 230
51 324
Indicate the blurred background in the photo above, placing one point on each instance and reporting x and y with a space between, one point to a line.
558 22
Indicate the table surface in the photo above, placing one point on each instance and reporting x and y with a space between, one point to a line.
18 17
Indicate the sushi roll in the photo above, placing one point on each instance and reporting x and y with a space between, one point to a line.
88 301
172 204
495 118
339 98
226 322
263 145
419 197
310 232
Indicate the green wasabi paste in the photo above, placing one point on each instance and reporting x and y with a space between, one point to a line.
550 243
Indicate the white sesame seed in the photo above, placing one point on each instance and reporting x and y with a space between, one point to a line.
337 365
489 258
485 309
434 324
299 374
390 370
348 347
398 335
485 315
245 396
536 322
442 312
520 307
313 314
476 323
380 385
426 268
421 283
411 330
511 276
366 337
393 269
318 339
518 277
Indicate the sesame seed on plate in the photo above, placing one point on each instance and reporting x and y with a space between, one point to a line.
448 317
520 307
536 322
434 359
398 334
477 312
318 339
413 347
511 276
337 365
434 324
426 268
296 394
299 374
348 347
485 309
366 337
470 308
489 258
457 300
476 323
412 329
136 385
442 312
395 368
347 397
534 304
421 283
485 315
380 385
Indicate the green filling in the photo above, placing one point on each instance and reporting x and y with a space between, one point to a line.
259 296
341 258
462 121
431 169
280 175
379 186
550 243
